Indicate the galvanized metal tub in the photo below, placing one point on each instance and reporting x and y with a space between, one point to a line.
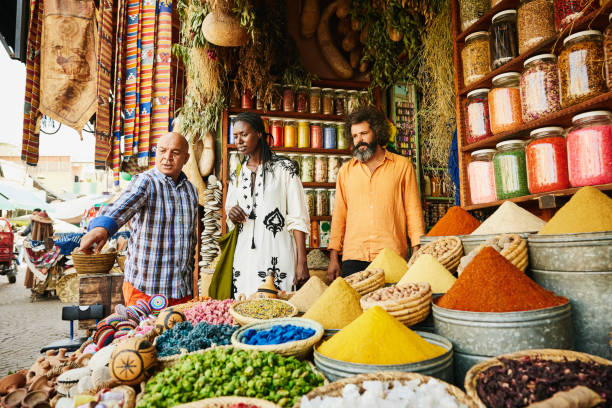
588 252
440 367
471 242
327 333
590 294
491 334
463 362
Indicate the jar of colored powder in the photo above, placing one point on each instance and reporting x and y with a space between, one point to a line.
540 87
476 57
316 135
510 168
589 149
288 98
481 176
276 129
546 156
301 100
477 115
330 140
303 134
320 168
290 133
505 102
307 174
341 136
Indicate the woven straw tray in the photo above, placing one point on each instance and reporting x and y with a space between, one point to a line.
93 263
471 377
223 402
244 320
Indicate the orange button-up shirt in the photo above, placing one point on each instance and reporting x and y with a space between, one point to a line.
373 211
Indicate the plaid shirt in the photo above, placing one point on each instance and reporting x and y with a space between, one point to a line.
162 239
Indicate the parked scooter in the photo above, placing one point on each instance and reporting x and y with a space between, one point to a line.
8 256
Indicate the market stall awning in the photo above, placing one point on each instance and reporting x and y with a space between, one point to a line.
22 197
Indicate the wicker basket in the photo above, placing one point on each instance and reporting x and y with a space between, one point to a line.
93 263
244 320
471 377
335 389
450 259
298 348
223 402
121 262
367 285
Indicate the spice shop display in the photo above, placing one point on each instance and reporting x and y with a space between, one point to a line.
333 167
316 135
342 299
186 336
477 125
327 101
352 98
546 156
428 269
589 149
288 98
540 87
511 246
509 218
447 250
366 281
276 130
503 38
322 204
393 265
476 57
277 334
250 311
290 133
471 10
303 134
409 303
510 169
505 102
315 100
456 221
405 139
320 168
307 168
246 101
311 198
502 287
566 11
581 67
481 177
342 137
301 100
308 294
330 139
339 102
535 23
210 311
282 380
434 213
607 44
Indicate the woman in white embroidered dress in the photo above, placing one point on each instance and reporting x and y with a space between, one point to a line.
265 199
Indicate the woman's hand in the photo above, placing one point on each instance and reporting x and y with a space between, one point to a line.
301 273
237 214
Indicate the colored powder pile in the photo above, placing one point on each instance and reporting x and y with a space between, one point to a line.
376 337
456 221
490 283
509 218
337 306
427 269
589 210
308 294
391 263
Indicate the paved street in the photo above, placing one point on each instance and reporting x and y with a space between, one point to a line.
25 327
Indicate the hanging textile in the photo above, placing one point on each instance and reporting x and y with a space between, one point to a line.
161 79
31 114
118 89
131 67
105 58
68 69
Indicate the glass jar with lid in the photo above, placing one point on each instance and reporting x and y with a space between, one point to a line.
353 100
322 202
435 185
315 100
276 130
481 177
364 98
546 156
311 201
341 136
246 101
510 168
288 98
476 57
589 149
330 140
504 41
290 133
477 115
301 99
297 159
320 168
332 199
303 134
505 102
327 101
607 44
581 70
333 167
230 132
307 174
339 97
276 102
540 87
259 101
535 23
471 10
567 11
316 135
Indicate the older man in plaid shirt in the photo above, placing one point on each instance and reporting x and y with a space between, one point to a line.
162 205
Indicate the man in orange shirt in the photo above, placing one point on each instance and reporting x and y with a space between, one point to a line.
377 200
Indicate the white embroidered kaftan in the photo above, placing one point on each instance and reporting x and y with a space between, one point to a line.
265 240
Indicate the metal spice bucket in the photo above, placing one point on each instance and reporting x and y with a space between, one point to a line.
440 367
470 242
590 252
589 294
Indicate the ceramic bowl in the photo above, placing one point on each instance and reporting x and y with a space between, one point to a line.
12 382
13 399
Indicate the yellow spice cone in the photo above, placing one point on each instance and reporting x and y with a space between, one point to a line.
337 306
427 269
390 262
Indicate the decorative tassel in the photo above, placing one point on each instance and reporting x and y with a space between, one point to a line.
253 242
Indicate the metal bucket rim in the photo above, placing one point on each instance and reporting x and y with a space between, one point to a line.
355 368
591 273
484 237
501 317
574 237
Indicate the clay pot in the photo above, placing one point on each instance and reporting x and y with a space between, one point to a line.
268 289
12 382
43 404
44 364
41 384
34 398
224 30
14 398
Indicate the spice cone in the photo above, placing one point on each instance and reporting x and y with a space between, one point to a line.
393 265
337 306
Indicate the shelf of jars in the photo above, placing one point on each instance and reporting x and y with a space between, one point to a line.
302 150
510 86
290 115
441 199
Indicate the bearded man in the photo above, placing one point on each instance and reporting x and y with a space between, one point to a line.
377 203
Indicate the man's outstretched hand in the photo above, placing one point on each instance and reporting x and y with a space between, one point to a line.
98 236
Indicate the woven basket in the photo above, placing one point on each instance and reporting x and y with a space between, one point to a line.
244 320
94 263
335 389
370 284
298 348
449 259
471 378
223 402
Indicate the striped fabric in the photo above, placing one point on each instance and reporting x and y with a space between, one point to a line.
31 117
161 80
105 56
118 90
131 72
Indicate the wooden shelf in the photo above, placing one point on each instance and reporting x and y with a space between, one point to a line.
320 218
444 199
558 193
302 150
559 118
597 18
484 22
290 115
318 185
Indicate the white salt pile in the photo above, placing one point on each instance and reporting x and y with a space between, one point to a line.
508 218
